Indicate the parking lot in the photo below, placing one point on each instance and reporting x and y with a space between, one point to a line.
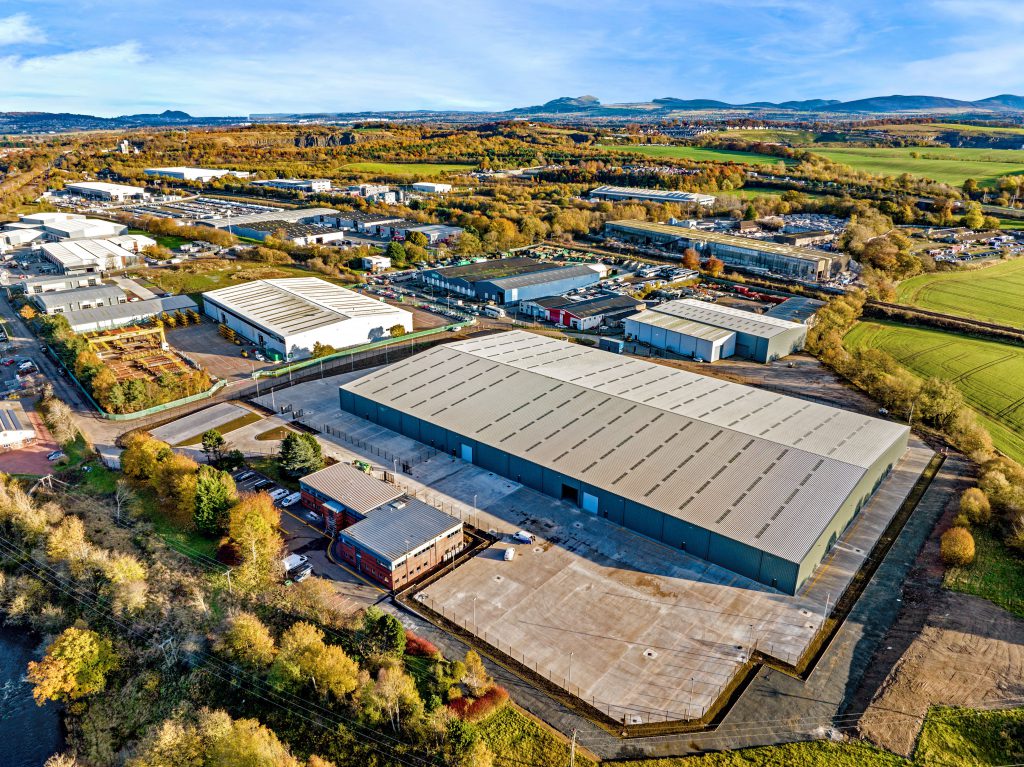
213 353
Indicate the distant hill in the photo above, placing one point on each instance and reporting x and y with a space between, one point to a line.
900 104
60 122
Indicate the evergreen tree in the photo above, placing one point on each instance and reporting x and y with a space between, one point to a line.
215 494
300 454
213 445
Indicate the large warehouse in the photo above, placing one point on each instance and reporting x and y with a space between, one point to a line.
287 317
205 175
711 332
756 482
760 256
508 280
650 195
101 190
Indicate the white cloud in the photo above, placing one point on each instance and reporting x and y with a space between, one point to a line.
18 29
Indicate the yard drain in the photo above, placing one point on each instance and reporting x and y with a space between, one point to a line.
649 653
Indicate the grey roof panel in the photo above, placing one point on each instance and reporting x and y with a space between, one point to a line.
547 275
357 490
149 307
54 298
738 320
393 533
681 325
719 455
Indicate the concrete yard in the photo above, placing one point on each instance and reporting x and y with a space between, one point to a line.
640 630
195 424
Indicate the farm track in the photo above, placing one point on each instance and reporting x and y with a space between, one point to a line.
980 324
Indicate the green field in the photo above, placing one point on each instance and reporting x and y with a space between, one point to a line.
1011 223
772 135
168 241
988 373
941 127
997 573
407 168
696 153
992 293
172 280
950 166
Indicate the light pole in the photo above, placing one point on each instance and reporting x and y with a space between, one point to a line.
570 667
474 612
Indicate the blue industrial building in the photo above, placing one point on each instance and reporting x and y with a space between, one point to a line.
510 280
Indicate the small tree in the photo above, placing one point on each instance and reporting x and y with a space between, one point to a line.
246 640
476 678
381 634
715 266
397 331
215 494
691 259
60 420
322 350
957 547
28 313
213 445
975 506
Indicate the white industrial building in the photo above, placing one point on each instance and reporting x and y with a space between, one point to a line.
298 184
700 329
16 428
650 195
328 216
17 238
436 233
287 317
78 256
101 190
205 175
431 187
131 313
375 263
54 227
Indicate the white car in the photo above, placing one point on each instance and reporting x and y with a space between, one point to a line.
524 537
510 554
289 500
279 493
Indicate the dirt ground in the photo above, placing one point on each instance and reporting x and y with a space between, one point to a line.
945 648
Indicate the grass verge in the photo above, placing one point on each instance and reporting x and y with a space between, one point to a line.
997 573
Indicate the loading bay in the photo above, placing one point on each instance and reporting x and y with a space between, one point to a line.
642 632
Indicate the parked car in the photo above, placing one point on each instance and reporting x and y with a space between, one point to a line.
510 554
279 493
524 537
56 455
290 500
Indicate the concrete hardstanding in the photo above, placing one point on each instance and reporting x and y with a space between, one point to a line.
774 479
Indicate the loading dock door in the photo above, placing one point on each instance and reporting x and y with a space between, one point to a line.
589 504
466 453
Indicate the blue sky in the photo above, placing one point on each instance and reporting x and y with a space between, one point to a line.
217 57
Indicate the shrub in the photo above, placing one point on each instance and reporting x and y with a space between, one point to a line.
957 547
420 647
472 710
975 506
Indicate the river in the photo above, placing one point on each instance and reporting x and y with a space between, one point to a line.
28 734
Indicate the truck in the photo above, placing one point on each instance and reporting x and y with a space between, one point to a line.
296 567
494 311
614 345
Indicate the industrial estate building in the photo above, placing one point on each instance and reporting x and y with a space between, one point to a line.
64 301
287 317
204 175
759 256
120 315
57 227
294 216
382 532
431 187
50 284
650 195
508 280
297 184
586 314
101 190
297 234
711 332
758 483
16 428
82 256
796 309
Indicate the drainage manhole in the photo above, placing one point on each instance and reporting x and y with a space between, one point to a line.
805 612
577 525
808 625
499 577
537 549
650 654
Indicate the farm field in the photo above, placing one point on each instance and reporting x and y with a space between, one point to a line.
407 168
950 166
992 294
696 153
987 372
933 128
997 574
780 135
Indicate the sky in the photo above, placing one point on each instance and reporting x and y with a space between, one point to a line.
237 57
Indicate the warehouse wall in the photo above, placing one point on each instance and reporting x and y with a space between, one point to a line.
704 544
853 504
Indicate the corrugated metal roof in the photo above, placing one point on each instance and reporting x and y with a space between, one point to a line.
680 325
392 533
56 298
738 320
105 315
346 484
796 309
296 305
13 418
283 214
547 275
490 270
760 468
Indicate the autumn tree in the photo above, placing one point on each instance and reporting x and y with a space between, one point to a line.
59 420
244 639
28 313
396 331
253 526
305 659
142 455
476 678
175 484
956 547
75 665
974 505
715 266
691 259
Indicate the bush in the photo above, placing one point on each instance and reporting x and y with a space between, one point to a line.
472 710
420 647
957 547
975 506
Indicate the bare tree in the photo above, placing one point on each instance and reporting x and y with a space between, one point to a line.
123 498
